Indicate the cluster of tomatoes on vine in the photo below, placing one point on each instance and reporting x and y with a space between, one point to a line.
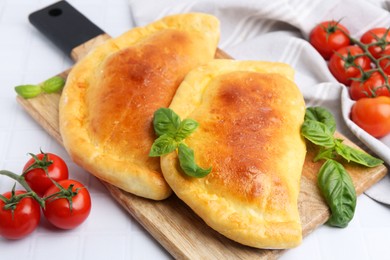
363 65
64 202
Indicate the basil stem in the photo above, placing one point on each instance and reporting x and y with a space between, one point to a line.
337 188
324 153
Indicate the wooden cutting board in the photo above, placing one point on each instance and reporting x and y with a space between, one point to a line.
172 223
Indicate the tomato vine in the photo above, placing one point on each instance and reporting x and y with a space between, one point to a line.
362 65
65 203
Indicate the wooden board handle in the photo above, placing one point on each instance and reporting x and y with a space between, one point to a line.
64 25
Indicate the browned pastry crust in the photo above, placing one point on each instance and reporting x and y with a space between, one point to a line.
250 115
107 105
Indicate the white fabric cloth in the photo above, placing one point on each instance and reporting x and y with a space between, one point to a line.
278 31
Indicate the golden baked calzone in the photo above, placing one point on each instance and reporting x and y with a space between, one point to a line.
249 116
106 108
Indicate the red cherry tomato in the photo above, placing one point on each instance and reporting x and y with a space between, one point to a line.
344 67
372 115
23 220
372 86
37 178
60 213
329 36
379 36
384 63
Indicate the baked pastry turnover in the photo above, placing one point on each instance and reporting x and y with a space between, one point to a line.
249 116
107 105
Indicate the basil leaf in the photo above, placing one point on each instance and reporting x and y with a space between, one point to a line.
165 121
163 145
318 133
53 84
187 163
337 188
28 91
322 115
357 156
187 127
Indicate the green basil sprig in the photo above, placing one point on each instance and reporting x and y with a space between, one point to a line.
319 127
171 132
51 85
333 180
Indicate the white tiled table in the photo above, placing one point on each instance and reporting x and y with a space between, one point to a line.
27 57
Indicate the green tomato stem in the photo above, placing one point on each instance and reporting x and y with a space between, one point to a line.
365 47
376 61
43 164
3 199
22 181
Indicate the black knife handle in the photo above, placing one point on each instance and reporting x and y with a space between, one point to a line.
66 27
